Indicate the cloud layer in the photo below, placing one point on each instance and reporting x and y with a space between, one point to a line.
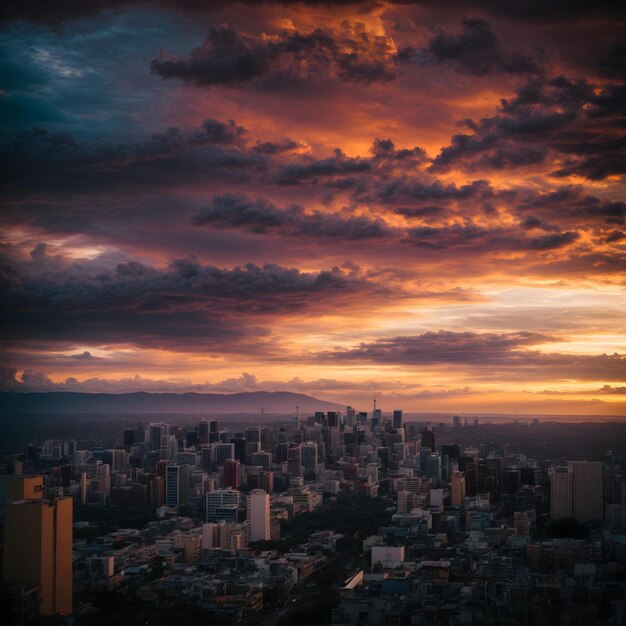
421 197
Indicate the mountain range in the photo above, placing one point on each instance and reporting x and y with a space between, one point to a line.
62 402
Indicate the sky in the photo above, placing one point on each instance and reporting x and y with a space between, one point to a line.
423 200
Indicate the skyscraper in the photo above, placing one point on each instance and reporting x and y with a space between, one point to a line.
258 515
176 485
561 493
203 432
457 486
586 490
576 491
231 474
397 419
38 550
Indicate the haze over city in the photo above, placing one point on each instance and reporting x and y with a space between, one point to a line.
425 200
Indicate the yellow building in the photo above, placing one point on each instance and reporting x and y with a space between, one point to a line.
38 550
18 487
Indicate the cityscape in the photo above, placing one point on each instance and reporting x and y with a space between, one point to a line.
313 313
346 518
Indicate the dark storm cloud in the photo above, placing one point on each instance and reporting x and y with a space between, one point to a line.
442 347
542 11
569 204
231 57
310 170
260 216
612 62
459 237
484 351
575 121
427 190
176 305
41 159
475 50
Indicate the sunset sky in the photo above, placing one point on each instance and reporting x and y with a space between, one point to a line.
422 199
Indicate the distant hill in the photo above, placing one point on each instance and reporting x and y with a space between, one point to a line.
57 402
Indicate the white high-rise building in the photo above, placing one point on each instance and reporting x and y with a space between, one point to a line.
258 515
220 502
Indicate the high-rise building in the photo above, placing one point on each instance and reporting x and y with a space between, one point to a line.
586 490
561 493
177 485
38 551
203 432
214 434
576 491
457 487
428 439
221 501
221 452
397 419
18 487
308 456
264 459
258 515
231 474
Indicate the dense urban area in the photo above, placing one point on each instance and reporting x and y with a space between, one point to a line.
343 519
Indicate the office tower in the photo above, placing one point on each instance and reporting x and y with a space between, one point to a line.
383 457
191 439
221 452
258 515
561 493
264 459
511 481
156 434
282 450
222 503
239 444
253 434
332 419
231 474
471 476
350 416
203 432
456 422
428 439
129 437
267 439
457 487
177 485
376 419
214 435
18 487
294 461
452 451
586 490
493 475
308 456
38 551
319 417
397 419
140 434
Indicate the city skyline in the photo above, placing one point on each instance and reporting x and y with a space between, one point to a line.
425 200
